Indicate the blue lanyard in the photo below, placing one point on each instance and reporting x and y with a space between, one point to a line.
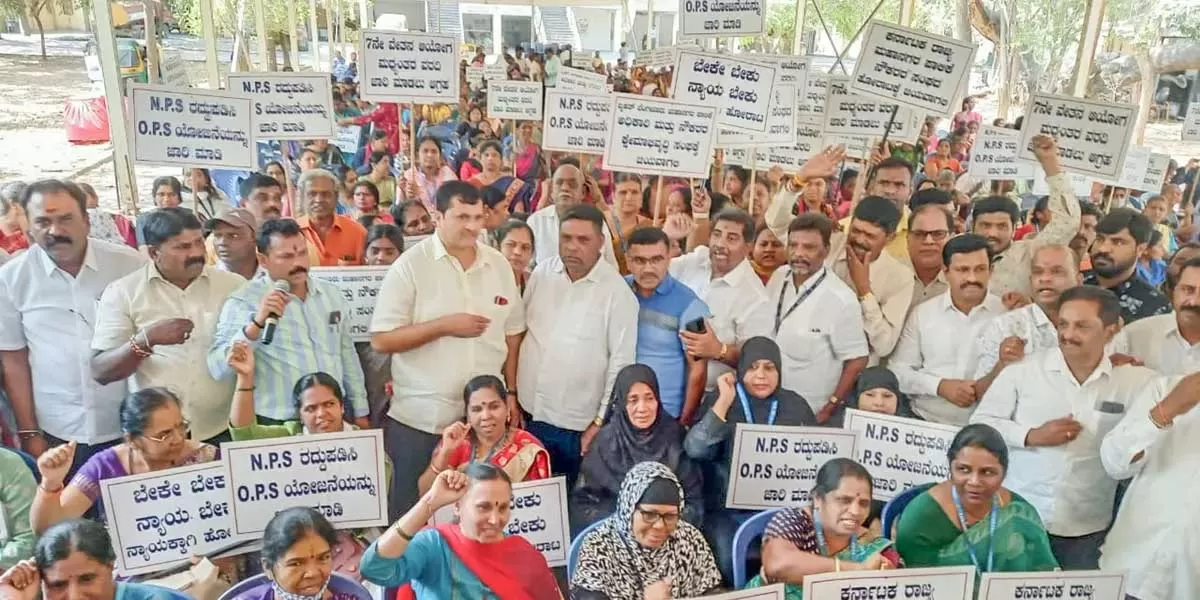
741 392
824 550
962 520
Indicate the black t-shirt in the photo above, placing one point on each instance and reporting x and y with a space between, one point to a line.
1138 298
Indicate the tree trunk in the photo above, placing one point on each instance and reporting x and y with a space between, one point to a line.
962 20
37 19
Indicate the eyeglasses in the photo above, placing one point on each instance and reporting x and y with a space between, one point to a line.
651 518
178 433
937 234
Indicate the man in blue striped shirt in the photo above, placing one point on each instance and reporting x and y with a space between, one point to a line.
313 333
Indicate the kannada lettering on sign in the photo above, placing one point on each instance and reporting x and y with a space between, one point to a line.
768 592
1133 168
538 513
812 104
721 17
192 128
576 80
359 286
576 122
994 155
900 453
855 115
1080 585
160 520
475 77
341 475
174 70
1155 175
405 66
920 70
741 89
1092 136
781 124
521 100
773 466
288 106
944 583
789 69
347 138
657 136
789 158
495 72
1191 123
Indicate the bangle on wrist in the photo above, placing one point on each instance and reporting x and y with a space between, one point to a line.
61 487
246 389
29 434
257 324
400 532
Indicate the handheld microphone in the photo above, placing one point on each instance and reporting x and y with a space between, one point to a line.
272 318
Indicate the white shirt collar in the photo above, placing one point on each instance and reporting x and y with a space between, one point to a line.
89 258
1056 362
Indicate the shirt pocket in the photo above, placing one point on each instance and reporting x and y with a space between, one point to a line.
804 347
590 326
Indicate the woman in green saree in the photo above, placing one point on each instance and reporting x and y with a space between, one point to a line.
827 536
971 519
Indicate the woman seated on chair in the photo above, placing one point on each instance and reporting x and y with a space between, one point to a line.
753 396
827 536
468 559
485 436
959 521
74 559
298 548
635 430
645 550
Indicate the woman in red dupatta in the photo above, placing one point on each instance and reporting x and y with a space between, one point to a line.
472 558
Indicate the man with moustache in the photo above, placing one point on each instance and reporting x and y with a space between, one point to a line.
1054 409
231 234
312 334
337 239
1175 266
1121 237
929 226
154 326
262 197
48 297
568 187
933 360
1170 343
1089 218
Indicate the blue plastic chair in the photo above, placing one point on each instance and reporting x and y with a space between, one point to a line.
895 507
338 583
576 544
751 530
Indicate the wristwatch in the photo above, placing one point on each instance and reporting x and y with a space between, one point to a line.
598 421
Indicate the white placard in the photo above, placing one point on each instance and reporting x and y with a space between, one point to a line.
721 17
900 453
781 124
812 104
769 592
943 583
854 115
339 474
475 77
1084 585
1155 175
576 122
658 136
994 155
1191 123
773 466
359 286
408 67
288 106
174 70
1092 136
160 520
575 80
496 72
1133 169
176 127
347 138
538 513
789 158
520 100
740 89
789 69
920 70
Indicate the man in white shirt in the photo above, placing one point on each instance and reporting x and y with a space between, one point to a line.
48 298
582 320
818 325
568 187
929 226
1054 409
1154 538
467 320
154 326
1170 343
721 275
933 360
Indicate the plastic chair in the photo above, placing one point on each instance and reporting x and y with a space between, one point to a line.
751 530
895 507
338 583
576 544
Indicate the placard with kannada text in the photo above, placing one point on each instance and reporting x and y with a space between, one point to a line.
772 466
657 136
1083 585
288 106
721 17
900 453
538 513
920 70
176 127
576 122
944 583
1092 136
359 287
408 67
739 88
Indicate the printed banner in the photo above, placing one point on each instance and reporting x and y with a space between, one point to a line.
994 155
770 592
538 513
520 100
854 115
409 67
1092 136
359 286
781 124
576 122
740 89
721 17
1191 123
339 474
575 80
900 453
160 520
945 583
773 466
657 136
175 127
920 70
288 106
1085 585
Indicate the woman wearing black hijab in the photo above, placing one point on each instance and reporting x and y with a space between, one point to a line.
753 396
876 390
635 430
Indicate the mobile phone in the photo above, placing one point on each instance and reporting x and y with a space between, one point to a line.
696 326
